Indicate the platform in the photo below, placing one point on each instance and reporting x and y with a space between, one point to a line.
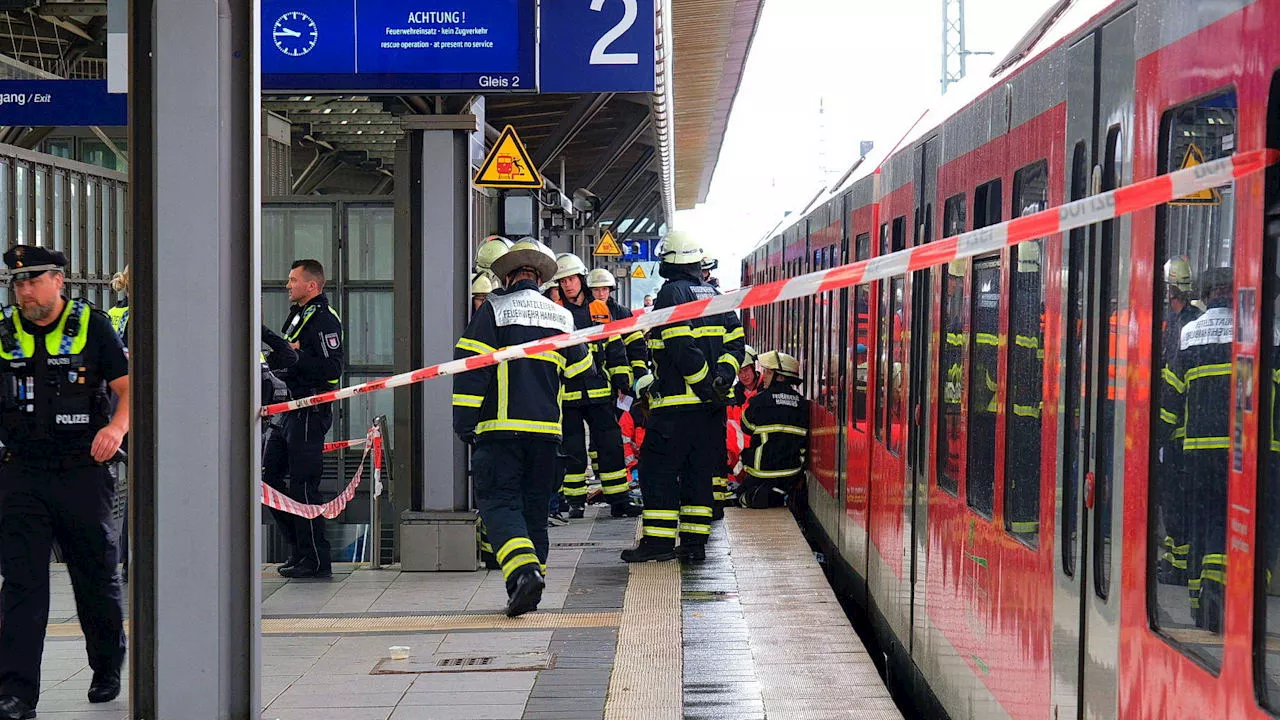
755 632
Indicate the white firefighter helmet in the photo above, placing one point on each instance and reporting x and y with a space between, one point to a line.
749 355
529 253
601 278
481 284
491 249
781 363
643 384
709 264
569 264
1177 272
681 248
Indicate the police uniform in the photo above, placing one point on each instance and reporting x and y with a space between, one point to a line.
297 449
119 317
511 413
691 365
54 400
777 427
1196 404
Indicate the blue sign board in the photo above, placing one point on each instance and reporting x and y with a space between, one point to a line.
47 103
597 46
639 250
398 46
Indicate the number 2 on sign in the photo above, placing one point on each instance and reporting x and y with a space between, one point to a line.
599 54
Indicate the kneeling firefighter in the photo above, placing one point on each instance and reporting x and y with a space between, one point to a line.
777 426
510 414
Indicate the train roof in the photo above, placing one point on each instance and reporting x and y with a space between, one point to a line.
1063 20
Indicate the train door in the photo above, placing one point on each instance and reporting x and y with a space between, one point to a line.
918 403
1095 323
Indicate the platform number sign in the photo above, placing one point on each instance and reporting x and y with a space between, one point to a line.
597 46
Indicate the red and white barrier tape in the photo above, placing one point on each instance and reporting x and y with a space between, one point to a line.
1080 213
343 444
273 498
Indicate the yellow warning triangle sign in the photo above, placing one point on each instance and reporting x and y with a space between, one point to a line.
1211 196
639 273
608 247
508 165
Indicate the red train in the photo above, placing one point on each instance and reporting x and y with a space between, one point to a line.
1051 475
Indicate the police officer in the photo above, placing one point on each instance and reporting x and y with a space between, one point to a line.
602 282
589 402
314 329
58 358
1197 400
1179 312
777 427
693 372
510 413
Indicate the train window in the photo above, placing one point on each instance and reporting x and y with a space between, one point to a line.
1026 365
951 357
862 339
1267 578
895 376
883 374
1111 361
984 353
1193 336
1073 391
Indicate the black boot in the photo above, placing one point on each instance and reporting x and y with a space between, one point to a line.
105 687
650 549
577 511
525 593
624 508
307 569
11 708
291 562
691 552
717 511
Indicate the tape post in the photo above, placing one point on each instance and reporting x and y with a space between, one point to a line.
1142 195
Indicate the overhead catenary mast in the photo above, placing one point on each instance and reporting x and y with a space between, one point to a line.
954 52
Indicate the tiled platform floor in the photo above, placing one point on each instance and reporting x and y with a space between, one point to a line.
748 649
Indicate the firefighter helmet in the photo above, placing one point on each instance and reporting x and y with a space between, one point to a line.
709 264
491 249
527 253
1177 273
481 284
643 384
601 278
749 355
569 264
680 248
781 363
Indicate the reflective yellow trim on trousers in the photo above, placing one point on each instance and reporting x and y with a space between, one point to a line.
468 401
661 532
639 364
672 515
613 476
474 346
527 426
1207 443
988 339
695 528
731 361
1168 417
771 474
1216 559
697 377
1027 411
695 510
677 331
955 338
1024 527
657 345
1173 380
578 368
597 393
1027 341
512 545
517 562
1217 576
1206 371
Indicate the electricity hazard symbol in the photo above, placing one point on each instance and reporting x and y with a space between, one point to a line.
639 273
508 165
608 247
1211 196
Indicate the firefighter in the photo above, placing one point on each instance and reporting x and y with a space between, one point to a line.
510 415
1196 403
734 343
1026 355
777 427
1179 312
589 402
481 286
602 283
693 370
493 247
633 421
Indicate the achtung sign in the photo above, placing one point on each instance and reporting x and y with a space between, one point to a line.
608 246
508 165
1194 158
639 273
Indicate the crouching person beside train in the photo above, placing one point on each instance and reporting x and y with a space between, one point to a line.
776 423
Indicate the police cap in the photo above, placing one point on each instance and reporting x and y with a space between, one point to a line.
29 261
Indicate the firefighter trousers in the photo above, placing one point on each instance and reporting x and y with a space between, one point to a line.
720 481
606 436
677 462
513 484
73 507
1207 559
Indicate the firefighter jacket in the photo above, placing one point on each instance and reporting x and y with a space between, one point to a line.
690 354
517 398
608 358
777 427
1198 381
637 349
317 330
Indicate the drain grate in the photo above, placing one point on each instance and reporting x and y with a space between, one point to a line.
575 544
465 663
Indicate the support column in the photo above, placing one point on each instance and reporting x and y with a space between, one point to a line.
194 187
432 290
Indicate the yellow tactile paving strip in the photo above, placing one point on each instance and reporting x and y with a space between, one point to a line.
648 669
809 661
406 623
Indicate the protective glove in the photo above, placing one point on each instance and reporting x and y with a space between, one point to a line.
721 388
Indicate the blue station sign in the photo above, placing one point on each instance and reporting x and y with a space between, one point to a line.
394 46
597 46
65 103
